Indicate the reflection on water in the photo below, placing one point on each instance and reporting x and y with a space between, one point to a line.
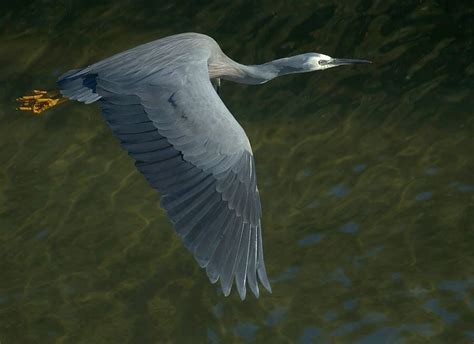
310 239
433 306
286 275
246 331
310 335
365 175
275 316
423 196
350 227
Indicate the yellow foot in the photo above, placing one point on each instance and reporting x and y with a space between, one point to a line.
40 101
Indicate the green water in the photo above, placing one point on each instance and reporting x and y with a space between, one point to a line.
366 177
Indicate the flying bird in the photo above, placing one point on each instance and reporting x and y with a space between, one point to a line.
160 100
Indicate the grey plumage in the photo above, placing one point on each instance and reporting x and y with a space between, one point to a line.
159 100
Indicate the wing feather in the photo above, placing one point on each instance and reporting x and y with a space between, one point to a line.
191 149
242 262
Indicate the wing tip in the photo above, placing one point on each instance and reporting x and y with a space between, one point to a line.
262 276
226 288
242 293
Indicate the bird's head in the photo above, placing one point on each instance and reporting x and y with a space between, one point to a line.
316 61
308 62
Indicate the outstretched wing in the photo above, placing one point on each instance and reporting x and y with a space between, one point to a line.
192 150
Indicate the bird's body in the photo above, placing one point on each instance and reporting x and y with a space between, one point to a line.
159 100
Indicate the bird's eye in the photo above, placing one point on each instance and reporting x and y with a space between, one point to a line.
322 62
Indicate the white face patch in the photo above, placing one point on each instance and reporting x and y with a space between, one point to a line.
313 61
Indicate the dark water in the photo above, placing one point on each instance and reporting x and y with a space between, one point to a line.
366 176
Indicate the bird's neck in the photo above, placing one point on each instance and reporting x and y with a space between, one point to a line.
255 74
252 75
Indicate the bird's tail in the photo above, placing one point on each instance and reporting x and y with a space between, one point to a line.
80 85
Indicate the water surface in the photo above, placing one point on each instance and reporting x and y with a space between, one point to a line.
365 172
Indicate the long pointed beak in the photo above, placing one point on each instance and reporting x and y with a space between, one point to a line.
340 62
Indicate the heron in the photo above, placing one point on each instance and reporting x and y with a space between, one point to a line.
161 100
